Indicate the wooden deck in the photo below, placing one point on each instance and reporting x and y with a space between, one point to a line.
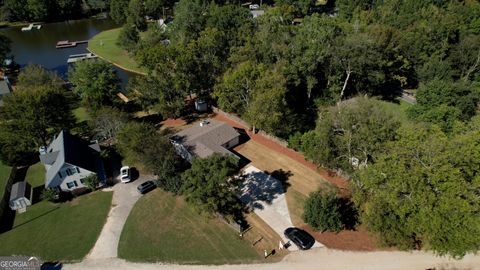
69 44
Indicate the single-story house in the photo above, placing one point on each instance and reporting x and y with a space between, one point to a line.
5 89
69 160
206 138
20 196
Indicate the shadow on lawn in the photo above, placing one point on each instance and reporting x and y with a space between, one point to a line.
37 217
283 177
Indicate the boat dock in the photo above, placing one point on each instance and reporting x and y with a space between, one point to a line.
69 44
77 57
32 26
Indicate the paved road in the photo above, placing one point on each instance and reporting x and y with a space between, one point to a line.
124 198
315 259
266 196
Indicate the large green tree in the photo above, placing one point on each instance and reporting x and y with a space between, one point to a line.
95 81
237 85
136 14
107 122
119 10
128 37
158 93
35 75
350 135
209 185
268 108
423 192
189 20
322 211
445 102
5 48
30 118
130 140
160 157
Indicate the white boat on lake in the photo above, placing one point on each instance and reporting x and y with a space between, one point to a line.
32 26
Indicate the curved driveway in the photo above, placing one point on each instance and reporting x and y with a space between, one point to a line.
124 198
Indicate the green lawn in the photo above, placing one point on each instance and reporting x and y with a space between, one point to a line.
104 45
397 109
162 228
81 114
36 175
4 174
63 232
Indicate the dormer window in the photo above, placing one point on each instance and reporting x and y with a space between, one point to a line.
71 171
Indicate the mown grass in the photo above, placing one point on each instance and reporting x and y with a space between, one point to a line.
81 114
36 175
162 228
64 232
104 45
399 110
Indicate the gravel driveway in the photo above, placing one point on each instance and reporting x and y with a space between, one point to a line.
124 198
315 259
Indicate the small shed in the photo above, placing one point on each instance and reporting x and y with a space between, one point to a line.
201 105
20 196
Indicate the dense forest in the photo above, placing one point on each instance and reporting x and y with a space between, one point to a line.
318 76
49 10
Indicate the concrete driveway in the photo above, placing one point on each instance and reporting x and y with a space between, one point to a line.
124 198
266 196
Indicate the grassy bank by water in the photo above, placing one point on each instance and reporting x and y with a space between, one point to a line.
104 45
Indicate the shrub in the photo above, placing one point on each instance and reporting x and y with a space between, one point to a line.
322 212
91 182
49 194
295 141
128 37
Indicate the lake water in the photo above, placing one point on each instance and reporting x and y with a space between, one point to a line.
38 46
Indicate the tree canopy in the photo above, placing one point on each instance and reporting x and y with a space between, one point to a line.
30 118
95 81
423 191
209 185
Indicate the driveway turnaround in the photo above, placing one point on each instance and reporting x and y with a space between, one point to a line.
124 198
266 196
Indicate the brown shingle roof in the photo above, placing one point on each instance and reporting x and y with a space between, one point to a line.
204 140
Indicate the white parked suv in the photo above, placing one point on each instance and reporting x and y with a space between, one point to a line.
125 176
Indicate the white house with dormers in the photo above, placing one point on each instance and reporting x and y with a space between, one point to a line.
68 160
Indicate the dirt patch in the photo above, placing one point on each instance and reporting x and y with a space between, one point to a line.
338 181
173 122
269 238
358 240
75 201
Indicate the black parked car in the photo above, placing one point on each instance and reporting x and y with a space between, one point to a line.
146 187
299 237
